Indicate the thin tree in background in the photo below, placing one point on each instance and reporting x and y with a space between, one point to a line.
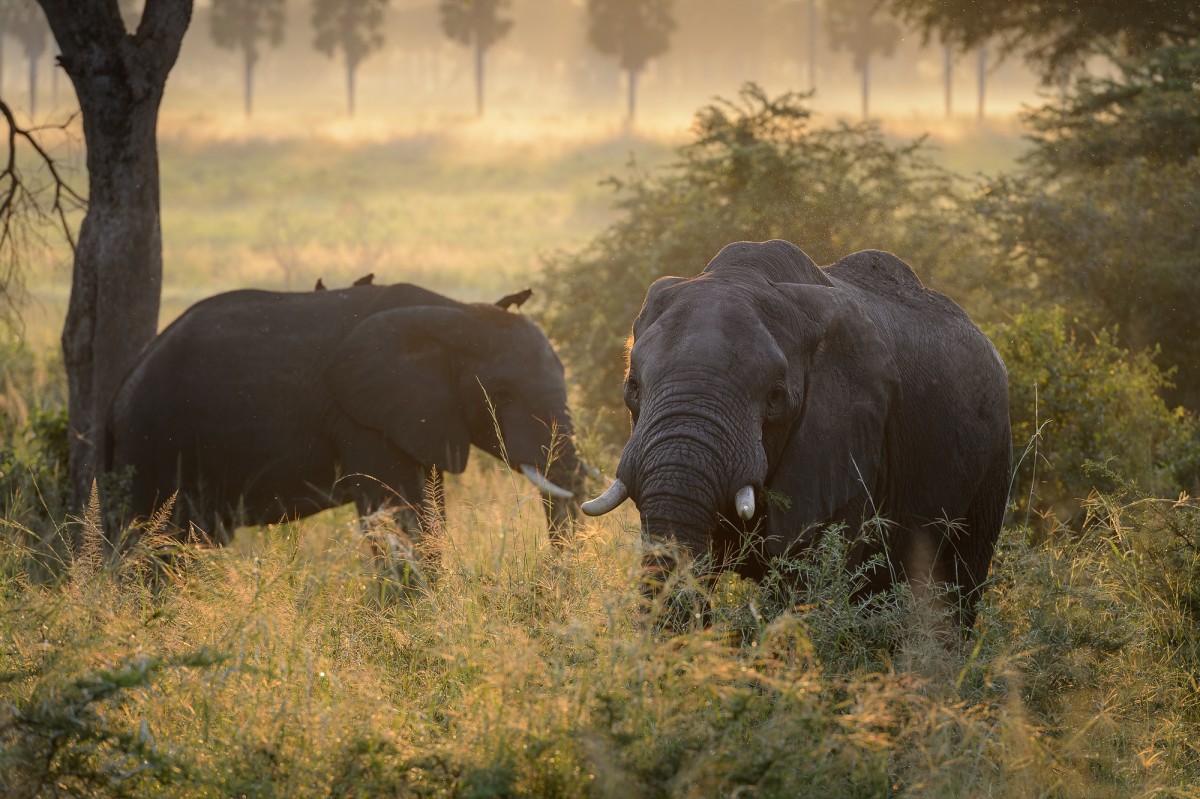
243 25
812 45
352 27
948 76
983 59
116 282
8 9
477 24
856 26
29 25
633 31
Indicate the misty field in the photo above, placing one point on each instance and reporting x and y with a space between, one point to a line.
483 662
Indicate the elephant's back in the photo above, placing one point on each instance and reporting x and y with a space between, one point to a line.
914 321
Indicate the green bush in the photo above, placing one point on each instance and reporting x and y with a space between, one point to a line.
756 169
1078 398
1103 213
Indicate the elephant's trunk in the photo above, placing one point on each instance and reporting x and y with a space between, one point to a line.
687 473
678 495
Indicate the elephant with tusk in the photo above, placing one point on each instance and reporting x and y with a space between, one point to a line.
770 394
259 406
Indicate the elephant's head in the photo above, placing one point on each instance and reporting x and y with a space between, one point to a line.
436 379
759 395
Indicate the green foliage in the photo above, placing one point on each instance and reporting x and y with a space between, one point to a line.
1104 212
755 170
1058 34
633 31
34 442
856 26
242 24
474 22
1076 398
1149 113
353 27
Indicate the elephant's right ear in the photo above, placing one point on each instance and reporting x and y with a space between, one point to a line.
834 457
395 374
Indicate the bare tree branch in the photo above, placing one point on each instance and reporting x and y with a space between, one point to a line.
24 207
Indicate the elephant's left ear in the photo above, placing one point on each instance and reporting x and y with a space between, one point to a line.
395 373
831 466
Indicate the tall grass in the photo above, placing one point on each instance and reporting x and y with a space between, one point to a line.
292 664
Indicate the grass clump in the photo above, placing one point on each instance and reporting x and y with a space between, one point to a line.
287 665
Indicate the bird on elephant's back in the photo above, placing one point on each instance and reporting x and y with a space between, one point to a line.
769 394
258 406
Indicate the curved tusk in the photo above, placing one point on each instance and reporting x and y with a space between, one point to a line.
591 471
544 485
608 501
744 502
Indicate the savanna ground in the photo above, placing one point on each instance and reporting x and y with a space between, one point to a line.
297 663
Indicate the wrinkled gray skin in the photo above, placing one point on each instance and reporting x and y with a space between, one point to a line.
831 392
261 405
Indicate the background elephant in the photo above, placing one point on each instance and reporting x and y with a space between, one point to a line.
770 392
261 405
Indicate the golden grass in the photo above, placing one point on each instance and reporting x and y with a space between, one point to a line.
291 664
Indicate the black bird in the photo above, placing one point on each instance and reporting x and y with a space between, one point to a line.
320 285
365 280
517 299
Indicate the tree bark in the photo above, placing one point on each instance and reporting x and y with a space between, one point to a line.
117 278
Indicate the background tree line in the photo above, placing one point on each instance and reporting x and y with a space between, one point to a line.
684 40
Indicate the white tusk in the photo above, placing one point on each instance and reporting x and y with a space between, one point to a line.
591 471
744 502
544 485
608 501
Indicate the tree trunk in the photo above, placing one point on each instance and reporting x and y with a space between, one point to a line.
982 79
948 73
248 80
117 277
632 108
351 68
812 45
478 76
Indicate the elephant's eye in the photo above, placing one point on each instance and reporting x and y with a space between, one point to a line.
632 390
777 401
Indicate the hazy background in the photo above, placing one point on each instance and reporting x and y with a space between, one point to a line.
414 186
